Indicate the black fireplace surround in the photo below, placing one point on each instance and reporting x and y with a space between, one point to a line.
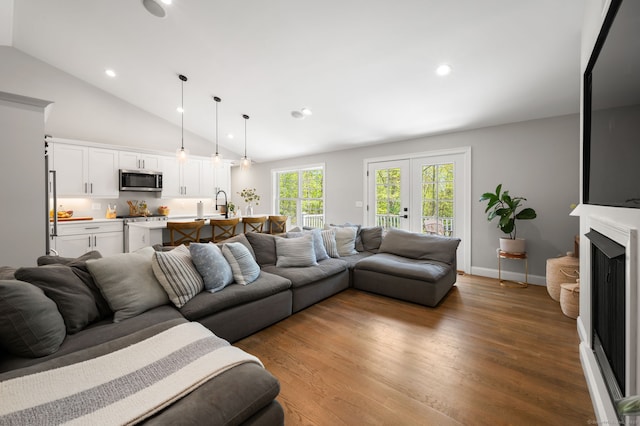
608 310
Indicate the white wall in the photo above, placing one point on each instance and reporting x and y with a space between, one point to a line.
536 159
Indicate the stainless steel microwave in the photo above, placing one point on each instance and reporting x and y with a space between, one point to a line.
140 180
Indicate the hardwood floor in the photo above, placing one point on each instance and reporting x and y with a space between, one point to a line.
486 355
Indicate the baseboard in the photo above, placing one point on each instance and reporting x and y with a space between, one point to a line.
508 275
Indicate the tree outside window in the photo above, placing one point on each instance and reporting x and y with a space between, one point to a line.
300 195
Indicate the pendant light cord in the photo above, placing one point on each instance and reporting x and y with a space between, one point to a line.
183 79
246 117
217 99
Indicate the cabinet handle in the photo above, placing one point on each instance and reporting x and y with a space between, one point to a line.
143 164
85 188
91 186
92 227
95 241
89 240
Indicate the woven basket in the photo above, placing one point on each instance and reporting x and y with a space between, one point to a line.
561 270
570 299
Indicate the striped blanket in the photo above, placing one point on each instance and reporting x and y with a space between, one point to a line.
123 387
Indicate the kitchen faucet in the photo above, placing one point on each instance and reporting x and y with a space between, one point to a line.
226 205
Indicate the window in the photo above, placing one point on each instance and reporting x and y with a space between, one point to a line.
299 194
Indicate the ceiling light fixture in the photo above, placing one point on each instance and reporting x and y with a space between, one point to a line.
306 111
182 153
217 158
154 8
245 162
444 69
109 72
300 115
167 2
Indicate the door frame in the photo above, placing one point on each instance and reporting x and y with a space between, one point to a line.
466 196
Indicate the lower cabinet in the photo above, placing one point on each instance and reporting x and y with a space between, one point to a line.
74 240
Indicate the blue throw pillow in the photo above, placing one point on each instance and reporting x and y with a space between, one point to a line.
244 267
211 265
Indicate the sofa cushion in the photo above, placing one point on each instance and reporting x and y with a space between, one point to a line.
243 264
211 265
296 252
62 285
30 323
177 274
128 283
371 238
310 274
400 266
329 242
420 246
205 303
355 258
264 247
318 244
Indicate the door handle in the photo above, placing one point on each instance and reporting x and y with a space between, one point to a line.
405 216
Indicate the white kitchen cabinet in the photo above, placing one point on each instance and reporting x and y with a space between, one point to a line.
75 239
130 160
193 179
84 171
223 178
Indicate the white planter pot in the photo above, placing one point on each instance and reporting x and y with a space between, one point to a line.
512 246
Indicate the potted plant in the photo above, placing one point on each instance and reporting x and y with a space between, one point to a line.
250 195
232 208
505 207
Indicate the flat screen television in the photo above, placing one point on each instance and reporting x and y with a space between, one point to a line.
611 132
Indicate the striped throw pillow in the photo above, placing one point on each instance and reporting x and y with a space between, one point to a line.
329 241
244 267
295 252
177 274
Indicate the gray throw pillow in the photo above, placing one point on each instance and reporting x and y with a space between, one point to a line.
420 246
240 238
128 283
264 247
371 238
62 285
211 265
244 267
177 274
30 323
318 244
296 252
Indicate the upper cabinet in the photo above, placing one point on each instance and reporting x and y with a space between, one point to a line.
130 160
193 179
85 172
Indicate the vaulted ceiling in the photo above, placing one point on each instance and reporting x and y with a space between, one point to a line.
365 68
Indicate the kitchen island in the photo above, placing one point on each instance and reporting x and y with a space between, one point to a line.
144 234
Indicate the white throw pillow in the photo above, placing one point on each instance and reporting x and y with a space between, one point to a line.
177 274
295 252
346 240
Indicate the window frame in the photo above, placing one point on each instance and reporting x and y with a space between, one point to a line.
299 200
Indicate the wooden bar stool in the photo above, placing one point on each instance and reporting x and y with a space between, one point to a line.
278 224
253 224
184 232
221 229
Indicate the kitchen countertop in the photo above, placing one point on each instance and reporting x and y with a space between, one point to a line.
161 224
94 220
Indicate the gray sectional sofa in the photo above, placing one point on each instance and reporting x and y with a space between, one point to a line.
412 267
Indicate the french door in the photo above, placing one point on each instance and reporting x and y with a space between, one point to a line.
425 193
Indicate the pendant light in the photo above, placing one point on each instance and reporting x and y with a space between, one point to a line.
217 157
245 162
182 153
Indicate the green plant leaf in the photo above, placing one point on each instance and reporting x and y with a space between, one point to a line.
527 213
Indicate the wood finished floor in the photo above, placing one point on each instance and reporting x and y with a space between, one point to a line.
487 355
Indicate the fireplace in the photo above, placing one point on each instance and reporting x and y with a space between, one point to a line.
608 322
608 301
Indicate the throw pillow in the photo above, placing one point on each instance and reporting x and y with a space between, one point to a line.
240 238
346 240
244 267
30 323
318 243
7 272
79 266
329 241
61 284
177 274
296 252
371 238
264 246
420 246
211 265
128 283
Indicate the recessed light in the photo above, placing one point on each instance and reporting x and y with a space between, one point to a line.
154 8
230 135
111 73
180 110
167 2
443 70
306 111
